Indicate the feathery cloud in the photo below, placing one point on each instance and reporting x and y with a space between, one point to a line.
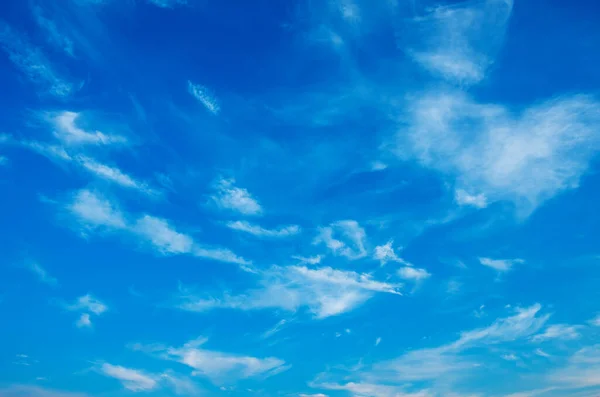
310 260
230 197
463 198
33 63
53 35
385 253
355 238
69 133
41 273
413 274
501 265
87 303
131 379
219 367
558 331
203 95
247 227
324 292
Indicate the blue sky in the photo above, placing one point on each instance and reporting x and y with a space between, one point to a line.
301 198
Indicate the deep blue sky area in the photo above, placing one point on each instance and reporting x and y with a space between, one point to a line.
333 198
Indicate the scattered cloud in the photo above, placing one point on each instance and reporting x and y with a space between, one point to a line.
228 196
363 389
310 260
525 157
501 265
385 253
377 341
558 331
541 353
275 329
582 370
33 63
41 274
247 227
112 174
131 379
93 211
219 367
35 391
595 321
355 238
324 292
200 92
87 303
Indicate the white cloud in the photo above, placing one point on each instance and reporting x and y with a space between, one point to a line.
247 227
459 42
162 235
84 321
526 157
230 197
558 331
53 35
69 133
32 62
92 210
112 174
582 369
463 198
324 292
87 303
311 260
355 238
501 265
41 273
363 389
541 353
219 367
203 95
413 274
275 329
131 379
377 341
510 357
385 253
595 321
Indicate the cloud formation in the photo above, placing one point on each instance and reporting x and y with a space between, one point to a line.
354 239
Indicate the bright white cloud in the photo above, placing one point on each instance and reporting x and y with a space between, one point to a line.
247 227
463 198
459 42
558 331
33 63
41 273
202 93
413 274
324 292
501 265
230 197
354 236
526 157
93 210
162 235
131 379
219 367
87 303
69 133
385 253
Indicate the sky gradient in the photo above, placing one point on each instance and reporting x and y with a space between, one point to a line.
332 198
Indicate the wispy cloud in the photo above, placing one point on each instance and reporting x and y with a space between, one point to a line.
84 321
385 253
86 305
525 157
33 63
167 3
280 232
582 370
113 174
275 329
309 260
131 379
558 332
459 42
474 200
36 391
501 265
203 95
324 292
413 274
67 131
355 239
233 198
364 389
93 211
595 321
41 274
219 367
53 34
